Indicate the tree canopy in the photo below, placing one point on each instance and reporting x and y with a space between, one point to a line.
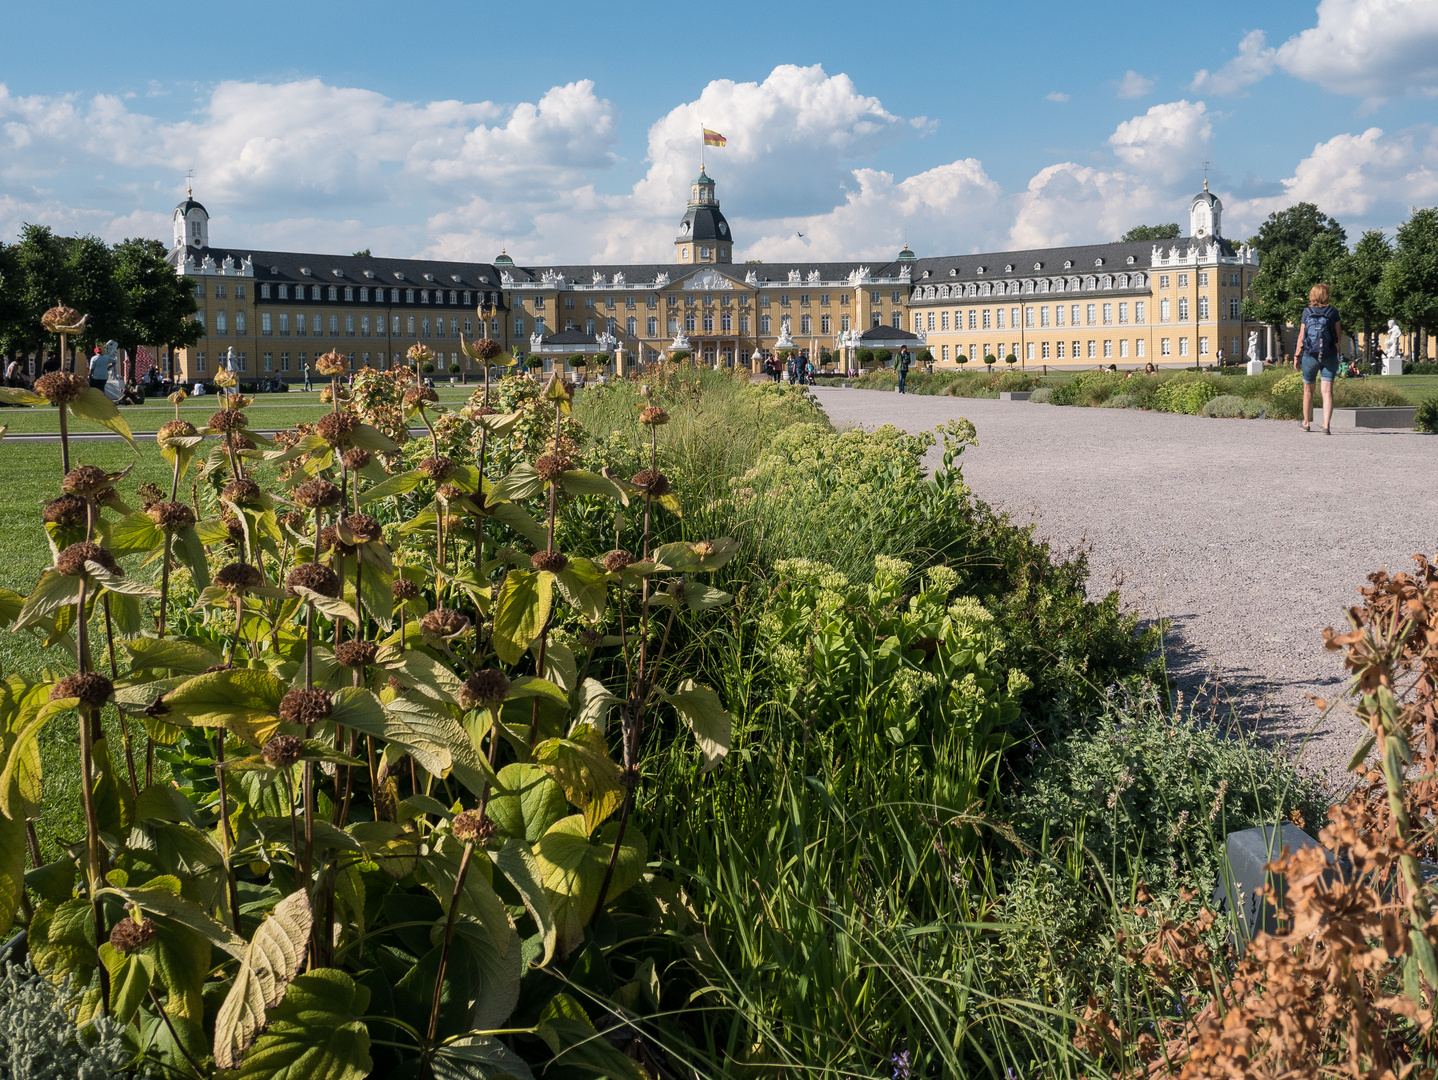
1151 232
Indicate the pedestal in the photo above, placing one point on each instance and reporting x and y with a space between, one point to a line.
1393 365
1255 367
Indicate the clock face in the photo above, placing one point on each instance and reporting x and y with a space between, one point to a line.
723 228
684 227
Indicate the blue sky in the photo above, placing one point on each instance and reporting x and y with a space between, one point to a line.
569 132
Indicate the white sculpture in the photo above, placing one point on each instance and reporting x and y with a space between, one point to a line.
1255 364
1393 349
785 341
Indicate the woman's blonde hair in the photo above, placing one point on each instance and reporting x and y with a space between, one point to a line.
1318 295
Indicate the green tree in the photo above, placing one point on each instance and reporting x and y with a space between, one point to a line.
1410 280
91 287
40 284
159 304
1358 284
1151 232
362 254
1281 242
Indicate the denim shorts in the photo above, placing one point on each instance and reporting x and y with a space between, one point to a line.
1313 367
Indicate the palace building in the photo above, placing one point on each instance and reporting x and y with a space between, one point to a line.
277 311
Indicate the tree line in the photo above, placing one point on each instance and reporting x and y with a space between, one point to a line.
129 290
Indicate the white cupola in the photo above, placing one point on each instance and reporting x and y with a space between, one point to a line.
191 224
1205 215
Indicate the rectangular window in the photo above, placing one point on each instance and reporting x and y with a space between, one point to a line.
999 317
988 319
1091 314
1138 347
806 324
931 320
1203 346
1138 310
200 362
896 296
1165 347
393 325
896 321
285 292
1108 314
393 295
1029 318
844 324
651 327
973 320
1059 351
783 299
284 324
364 326
803 299
335 325
454 299
349 326
364 296
1203 278
239 292
264 292
763 324
221 323
1123 313
241 324
1123 347
843 299
1074 317
242 362
1233 308
1043 316
1059 312
1183 281
1183 309
743 324
943 320
219 291
1165 310
1163 281
1202 308
314 292
1092 349
1045 351
409 325
300 325
1183 346
631 326
269 362
424 299
1030 353
284 361
1076 350
1107 349
1013 318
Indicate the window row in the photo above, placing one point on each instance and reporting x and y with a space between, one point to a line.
347 293
1105 314
1015 288
311 325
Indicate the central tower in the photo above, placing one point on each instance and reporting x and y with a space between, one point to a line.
703 234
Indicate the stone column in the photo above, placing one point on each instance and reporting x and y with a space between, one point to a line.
619 360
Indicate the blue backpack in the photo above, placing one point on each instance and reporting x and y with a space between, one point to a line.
1320 332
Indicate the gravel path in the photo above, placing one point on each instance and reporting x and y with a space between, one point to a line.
1249 535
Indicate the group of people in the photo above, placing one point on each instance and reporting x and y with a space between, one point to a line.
797 366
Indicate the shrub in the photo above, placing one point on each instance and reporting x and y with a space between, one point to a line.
924 357
991 359
1286 395
454 368
1044 395
1181 395
1088 388
1420 367
864 356
1121 401
1427 416
1225 405
882 356
1011 359
39 1041
1010 381
1364 393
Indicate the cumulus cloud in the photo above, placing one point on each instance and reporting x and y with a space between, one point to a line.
1056 95
1133 85
1372 49
1167 141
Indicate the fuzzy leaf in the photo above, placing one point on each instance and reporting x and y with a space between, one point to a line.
161 901
135 532
397 484
573 867
595 702
14 395
516 861
94 405
52 591
369 437
678 556
584 482
270 961
10 604
584 585
189 551
583 768
521 483
169 654
521 612
12 869
520 520
707 718
315 1032
122 585
331 606
244 700
527 802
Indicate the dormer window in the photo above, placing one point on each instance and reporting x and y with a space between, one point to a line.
1068 264
1132 259
338 273
369 274
428 277
953 272
1098 262
334 292
305 270
1038 266
399 275
979 269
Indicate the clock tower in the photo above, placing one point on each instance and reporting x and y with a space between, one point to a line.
703 234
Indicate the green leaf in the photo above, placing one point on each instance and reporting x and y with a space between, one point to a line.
397 484
720 552
519 519
170 654
594 703
702 597
516 862
369 437
190 553
20 778
331 606
678 556
478 1057
527 801
527 686
584 482
94 405
1361 754
477 897
12 869
584 585
315 1032
302 446
707 718
583 768
270 961
10 604
122 585
521 612
244 700
573 867
430 676
14 395
130 980
521 483
578 1045
52 591
135 532
356 707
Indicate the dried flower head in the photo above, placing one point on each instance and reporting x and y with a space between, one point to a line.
487 348
395 685
293 520
487 687
332 363
234 528
330 539
239 577
451 492
317 577
305 706
90 688
61 387
108 496
282 750
591 639
355 654
405 589
704 548
150 494
551 466
654 416
85 481
654 483
226 420
363 527
241 441
175 429
483 410
338 428
436 466
72 560
177 397
444 623
226 378
333 391
66 510
356 458
128 936
419 354
219 667
418 397
471 827
62 320
243 491
315 494
553 561
171 516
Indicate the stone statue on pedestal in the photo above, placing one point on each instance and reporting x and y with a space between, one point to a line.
1255 365
1393 349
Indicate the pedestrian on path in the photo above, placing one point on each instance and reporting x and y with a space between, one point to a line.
305 367
1319 331
903 369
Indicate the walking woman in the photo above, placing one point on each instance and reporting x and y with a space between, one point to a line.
1319 331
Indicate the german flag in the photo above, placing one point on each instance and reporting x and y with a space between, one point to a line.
713 138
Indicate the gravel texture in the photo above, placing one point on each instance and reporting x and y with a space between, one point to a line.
1250 536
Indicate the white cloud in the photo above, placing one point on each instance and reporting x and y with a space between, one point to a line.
1373 49
1056 95
1133 85
1168 141
1069 203
1254 61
